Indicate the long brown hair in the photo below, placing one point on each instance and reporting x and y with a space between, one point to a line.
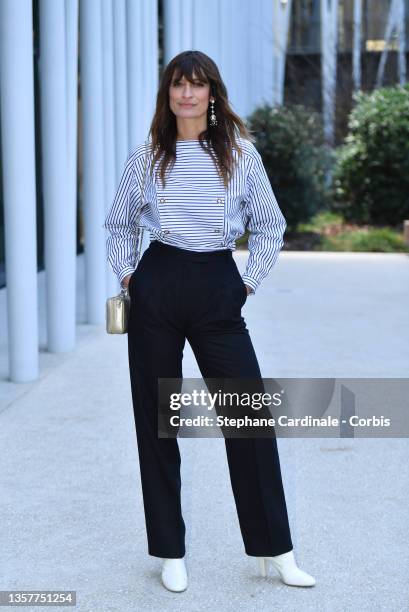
222 138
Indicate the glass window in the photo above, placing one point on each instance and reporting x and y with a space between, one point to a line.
304 31
375 19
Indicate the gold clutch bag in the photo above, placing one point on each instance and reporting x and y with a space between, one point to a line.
118 306
117 313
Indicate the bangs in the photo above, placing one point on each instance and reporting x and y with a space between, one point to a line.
189 67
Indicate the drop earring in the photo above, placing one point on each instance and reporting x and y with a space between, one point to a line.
213 120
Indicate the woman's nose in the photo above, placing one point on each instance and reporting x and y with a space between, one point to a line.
187 91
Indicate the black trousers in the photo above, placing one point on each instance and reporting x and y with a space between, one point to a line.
176 295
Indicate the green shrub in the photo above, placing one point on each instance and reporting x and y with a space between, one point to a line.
291 142
371 177
379 240
321 221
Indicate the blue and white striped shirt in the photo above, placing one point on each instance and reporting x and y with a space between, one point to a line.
195 211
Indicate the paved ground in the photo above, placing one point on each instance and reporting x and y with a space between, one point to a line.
71 506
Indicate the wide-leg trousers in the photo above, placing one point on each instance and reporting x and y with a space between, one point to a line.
177 294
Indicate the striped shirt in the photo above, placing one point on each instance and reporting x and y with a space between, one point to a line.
195 211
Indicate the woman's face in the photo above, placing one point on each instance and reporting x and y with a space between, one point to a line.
189 100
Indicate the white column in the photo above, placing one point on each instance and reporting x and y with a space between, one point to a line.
19 191
142 73
356 55
207 28
172 29
232 54
151 56
401 33
120 87
227 49
93 159
187 24
71 54
281 20
109 121
395 23
178 27
150 73
59 220
329 12
243 59
137 120
390 25
260 54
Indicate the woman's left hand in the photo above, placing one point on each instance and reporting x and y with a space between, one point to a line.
248 289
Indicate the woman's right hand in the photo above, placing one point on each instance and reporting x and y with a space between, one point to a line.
125 281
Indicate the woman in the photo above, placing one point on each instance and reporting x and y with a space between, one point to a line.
204 184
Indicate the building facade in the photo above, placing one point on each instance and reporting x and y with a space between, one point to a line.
78 82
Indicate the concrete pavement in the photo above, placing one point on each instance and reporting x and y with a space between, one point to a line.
71 505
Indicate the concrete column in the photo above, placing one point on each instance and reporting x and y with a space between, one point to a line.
329 20
280 25
19 190
242 60
152 70
71 55
59 218
142 73
178 18
172 29
401 34
227 49
356 54
109 121
152 56
137 113
93 159
207 28
265 90
120 87
256 51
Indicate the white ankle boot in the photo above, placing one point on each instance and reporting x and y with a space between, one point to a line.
286 566
174 575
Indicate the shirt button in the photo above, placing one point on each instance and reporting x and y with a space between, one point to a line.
217 231
220 200
162 200
166 231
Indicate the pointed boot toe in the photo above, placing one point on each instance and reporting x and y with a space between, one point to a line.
174 575
288 570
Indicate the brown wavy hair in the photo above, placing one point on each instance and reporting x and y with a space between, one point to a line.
221 138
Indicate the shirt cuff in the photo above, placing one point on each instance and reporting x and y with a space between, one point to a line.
124 272
247 280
